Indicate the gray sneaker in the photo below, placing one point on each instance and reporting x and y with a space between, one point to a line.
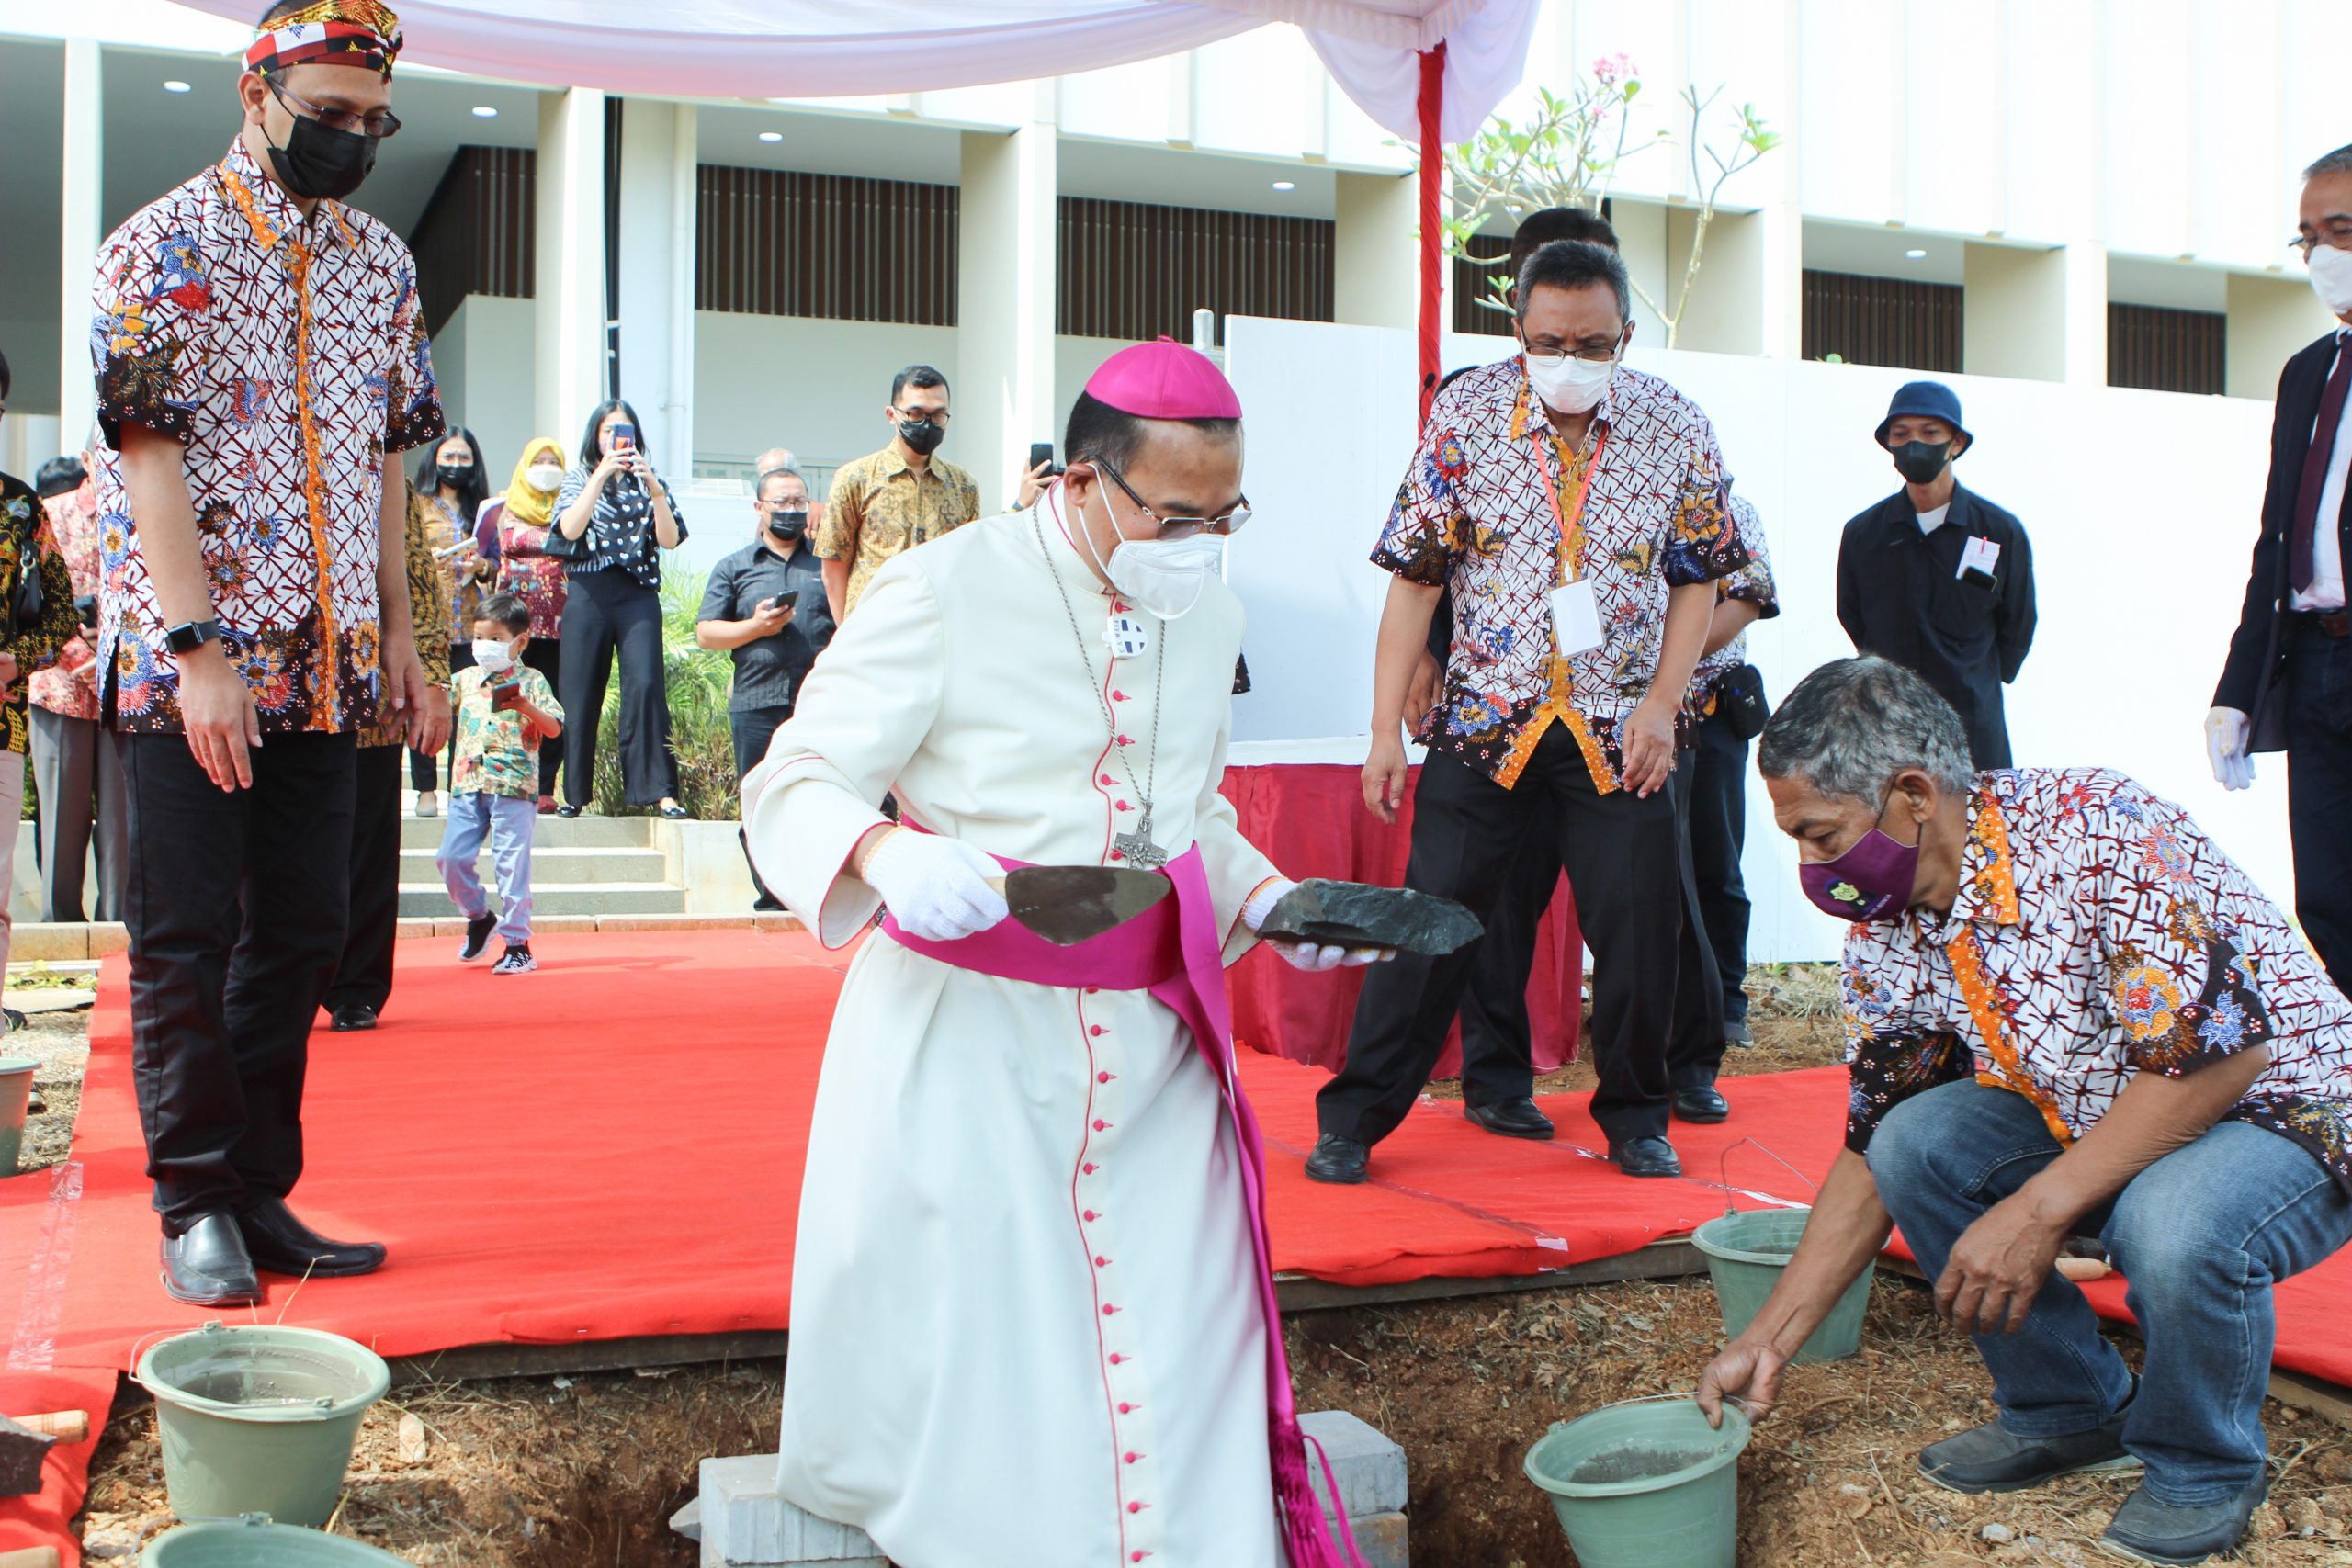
1991 1459
2148 1531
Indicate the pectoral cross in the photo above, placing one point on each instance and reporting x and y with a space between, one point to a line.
1136 848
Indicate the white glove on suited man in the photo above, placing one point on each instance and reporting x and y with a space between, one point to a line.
2225 743
937 888
1307 955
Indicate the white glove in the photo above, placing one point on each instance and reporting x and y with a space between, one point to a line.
1310 956
937 888
2225 738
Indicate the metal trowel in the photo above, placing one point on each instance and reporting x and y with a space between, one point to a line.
1070 904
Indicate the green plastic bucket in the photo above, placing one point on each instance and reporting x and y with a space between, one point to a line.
15 1093
1661 1487
259 1420
255 1543
1746 1253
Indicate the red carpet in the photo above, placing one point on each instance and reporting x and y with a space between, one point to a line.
613 1146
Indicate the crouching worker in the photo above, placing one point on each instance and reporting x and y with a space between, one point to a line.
2068 1013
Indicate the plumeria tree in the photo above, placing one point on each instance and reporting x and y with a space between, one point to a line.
1570 151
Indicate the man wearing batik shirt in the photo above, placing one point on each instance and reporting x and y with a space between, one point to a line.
2068 1014
261 359
1576 509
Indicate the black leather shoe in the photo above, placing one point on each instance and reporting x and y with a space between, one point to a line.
1703 1104
1339 1160
207 1265
567 811
358 1015
280 1243
1511 1118
1647 1157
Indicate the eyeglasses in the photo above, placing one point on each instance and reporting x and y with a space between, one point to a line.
376 125
921 416
1176 528
1591 354
2334 231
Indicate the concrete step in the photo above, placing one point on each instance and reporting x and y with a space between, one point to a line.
554 864
552 833
431 900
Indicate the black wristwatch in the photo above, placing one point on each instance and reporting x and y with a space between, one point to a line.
192 636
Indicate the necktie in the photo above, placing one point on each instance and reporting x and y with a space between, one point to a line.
2300 566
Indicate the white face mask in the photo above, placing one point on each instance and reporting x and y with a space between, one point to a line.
1567 384
546 476
2332 278
1163 576
494 657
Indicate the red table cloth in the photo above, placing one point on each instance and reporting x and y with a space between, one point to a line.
1310 818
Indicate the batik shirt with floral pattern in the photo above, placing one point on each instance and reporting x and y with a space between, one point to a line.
26 546
497 752
1474 513
428 605
2097 935
287 356
69 688
1750 584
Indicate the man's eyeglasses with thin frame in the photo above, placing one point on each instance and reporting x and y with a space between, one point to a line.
921 416
376 125
1175 528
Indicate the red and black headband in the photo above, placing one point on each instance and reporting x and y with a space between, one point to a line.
332 32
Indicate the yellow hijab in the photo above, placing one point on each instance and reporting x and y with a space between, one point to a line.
525 504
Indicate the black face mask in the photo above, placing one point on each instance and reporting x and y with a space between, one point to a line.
788 524
920 436
454 479
318 164
1920 461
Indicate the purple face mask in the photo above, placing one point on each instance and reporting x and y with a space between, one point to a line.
1874 878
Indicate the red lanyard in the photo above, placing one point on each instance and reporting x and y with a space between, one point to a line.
1570 571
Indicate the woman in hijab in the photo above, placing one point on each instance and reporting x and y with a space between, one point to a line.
514 533
450 485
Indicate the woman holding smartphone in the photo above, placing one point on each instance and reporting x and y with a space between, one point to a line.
621 515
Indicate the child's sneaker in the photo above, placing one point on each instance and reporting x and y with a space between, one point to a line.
516 960
478 931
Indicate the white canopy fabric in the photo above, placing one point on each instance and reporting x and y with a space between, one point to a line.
777 49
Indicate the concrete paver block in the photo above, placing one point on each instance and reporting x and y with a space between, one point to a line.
688 1521
744 1521
1369 1467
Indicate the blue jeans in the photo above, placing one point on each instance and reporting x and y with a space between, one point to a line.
508 824
2201 1234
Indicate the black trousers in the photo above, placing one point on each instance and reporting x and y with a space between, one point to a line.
424 771
1718 837
236 914
364 977
753 728
547 658
1497 1035
2319 789
1621 860
609 615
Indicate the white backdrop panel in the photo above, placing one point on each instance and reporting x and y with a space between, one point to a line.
2141 506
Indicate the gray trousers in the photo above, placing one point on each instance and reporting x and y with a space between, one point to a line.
72 760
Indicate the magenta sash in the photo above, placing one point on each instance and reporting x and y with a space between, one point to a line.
1175 951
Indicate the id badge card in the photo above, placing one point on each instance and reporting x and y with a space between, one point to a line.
1575 618
1980 556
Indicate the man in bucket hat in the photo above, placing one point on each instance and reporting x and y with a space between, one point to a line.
1936 578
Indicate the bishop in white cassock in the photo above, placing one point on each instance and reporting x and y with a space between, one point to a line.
1032 1322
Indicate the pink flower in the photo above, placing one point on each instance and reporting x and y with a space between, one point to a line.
1611 69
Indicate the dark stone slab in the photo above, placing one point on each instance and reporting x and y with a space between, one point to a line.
1356 914
21 1452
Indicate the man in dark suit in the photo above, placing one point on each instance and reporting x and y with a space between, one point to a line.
1936 578
2288 683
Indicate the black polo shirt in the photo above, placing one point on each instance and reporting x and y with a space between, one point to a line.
1901 596
769 669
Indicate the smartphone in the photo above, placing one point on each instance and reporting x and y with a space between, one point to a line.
624 438
1043 452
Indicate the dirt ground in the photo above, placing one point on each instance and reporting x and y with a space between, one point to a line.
581 1472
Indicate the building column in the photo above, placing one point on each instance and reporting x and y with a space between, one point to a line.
2035 315
570 285
659 144
1376 251
1002 385
2269 320
77 398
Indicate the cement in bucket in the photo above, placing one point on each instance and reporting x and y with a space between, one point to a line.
255 1543
1646 1484
15 1093
259 1420
1746 1255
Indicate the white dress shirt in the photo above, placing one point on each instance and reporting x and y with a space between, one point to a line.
2326 591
